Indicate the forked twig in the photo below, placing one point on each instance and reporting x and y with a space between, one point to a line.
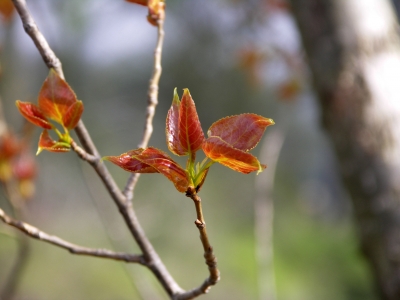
72 248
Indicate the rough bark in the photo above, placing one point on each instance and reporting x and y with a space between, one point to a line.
353 51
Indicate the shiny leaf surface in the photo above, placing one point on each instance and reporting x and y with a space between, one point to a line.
172 127
220 151
56 97
152 160
183 129
33 114
242 132
130 163
190 133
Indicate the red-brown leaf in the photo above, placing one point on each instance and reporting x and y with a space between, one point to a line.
56 97
33 114
238 160
47 143
242 132
183 131
140 2
152 160
172 127
73 115
130 163
191 135
166 166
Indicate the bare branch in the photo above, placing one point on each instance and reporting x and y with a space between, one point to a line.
92 159
72 248
152 101
211 260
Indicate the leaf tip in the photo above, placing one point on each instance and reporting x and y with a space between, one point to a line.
261 168
175 99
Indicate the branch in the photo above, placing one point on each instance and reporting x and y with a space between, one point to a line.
153 262
152 101
211 260
72 248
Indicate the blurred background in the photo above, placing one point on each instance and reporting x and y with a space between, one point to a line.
235 57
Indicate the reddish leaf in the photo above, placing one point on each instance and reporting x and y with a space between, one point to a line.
172 127
47 143
152 160
238 160
141 2
56 97
183 130
128 162
73 115
33 114
242 132
191 135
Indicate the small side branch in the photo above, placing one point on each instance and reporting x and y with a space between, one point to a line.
72 248
210 259
152 101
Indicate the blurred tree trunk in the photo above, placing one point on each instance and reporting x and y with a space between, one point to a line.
353 51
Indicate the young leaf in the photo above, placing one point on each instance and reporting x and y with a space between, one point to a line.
242 132
152 160
33 114
47 143
172 127
191 135
140 2
73 115
183 130
130 163
236 159
56 97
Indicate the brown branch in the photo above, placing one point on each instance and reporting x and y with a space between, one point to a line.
211 260
152 101
153 262
72 248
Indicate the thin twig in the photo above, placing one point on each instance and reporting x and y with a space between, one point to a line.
72 248
211 260
152 101
153 262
